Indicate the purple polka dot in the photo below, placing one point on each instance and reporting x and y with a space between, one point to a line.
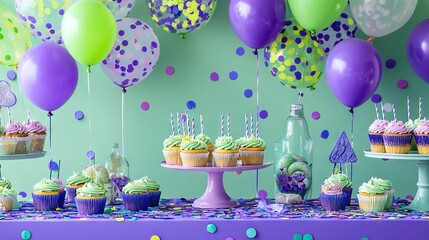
240 51
184 118
124 43
385 159
121 33
233 75
402 84
11 75
248 93
154 44
390 63
263 114
315 115
23 194
324 134
262 193
145 106
214 76
78 115
90 154
169 70
191 105
376 98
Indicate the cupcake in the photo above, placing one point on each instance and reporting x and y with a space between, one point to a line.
345 183
332 197
90 199
77 180
135 196
7 196
153 189
16 131
412 125
421 134
61 191
172 150
36 134
46 195
226 152
252 151
375 134
387 186
210 147
193 152
372 197
397 138
6 184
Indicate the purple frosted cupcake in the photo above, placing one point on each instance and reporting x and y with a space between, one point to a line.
153 189
90 199
61 191
77 180
46 195
36 134
375 135
397 138
332 197
135 196
421 134
345 183
16 131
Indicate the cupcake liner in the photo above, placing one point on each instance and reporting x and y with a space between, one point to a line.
422 141
333 202
22 145
210 149
225 159
194 159
136 202
376 142
154 198
61 198
71 194
88 206
7 146
397 144
251 157
37 142
374 203
389 201
172 157
45 202
6 202
348 192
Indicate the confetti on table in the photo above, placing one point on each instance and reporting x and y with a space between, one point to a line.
211 228
25 235
251 233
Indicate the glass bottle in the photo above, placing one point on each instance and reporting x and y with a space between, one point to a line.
118 169
293 155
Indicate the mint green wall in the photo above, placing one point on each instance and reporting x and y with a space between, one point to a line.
212 49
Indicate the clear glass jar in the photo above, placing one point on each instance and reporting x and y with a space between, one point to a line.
118 169
293 155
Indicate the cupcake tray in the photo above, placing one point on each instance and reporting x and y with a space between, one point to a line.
421 199
23 156
215 195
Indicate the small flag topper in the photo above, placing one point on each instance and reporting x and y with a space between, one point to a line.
343 151
7 97
53 166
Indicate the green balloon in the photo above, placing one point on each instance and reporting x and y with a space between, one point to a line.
89 31
315 15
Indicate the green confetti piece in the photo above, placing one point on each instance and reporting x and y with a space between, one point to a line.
308 237
251 233
211 228
297 236
25 235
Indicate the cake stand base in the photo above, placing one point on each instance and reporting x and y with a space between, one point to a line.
421 200
215 195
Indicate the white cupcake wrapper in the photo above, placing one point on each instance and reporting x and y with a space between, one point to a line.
372 203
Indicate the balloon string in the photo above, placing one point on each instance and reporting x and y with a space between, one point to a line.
50 133
257 182
371 39
122 120
351 140
257 109
88 76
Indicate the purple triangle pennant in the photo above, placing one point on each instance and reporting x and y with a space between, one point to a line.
343 151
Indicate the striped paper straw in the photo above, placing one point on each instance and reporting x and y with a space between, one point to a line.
221 125
178 122
382 110
251 124
193 128
376 111
394 112
201 124
246 122
257 126
420 108
172 123
408 108
228 124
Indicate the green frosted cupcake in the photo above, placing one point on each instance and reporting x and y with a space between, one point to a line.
90 199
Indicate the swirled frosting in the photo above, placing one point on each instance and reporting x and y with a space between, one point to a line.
59 182
378 126
385 184
422 128
46 185
192 144
77 179
204 138
5 183
371 188
332 189
91 189
340 178
7 192
134 187
226 143
150 184
397 127
252 142
15 128
172 141
34 126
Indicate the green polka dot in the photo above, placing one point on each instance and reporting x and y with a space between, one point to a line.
7 57
364 238
1 36
297 236
251 233
26 235
211 228
15 30
308 237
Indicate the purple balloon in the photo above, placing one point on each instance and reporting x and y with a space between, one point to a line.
353 71
418 51
48 75
257 23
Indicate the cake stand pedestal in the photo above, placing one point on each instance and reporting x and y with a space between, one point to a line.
421 199
215 195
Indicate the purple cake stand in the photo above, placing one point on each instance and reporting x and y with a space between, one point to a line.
215 195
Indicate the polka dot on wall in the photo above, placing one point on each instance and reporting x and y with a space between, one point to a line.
402 84
390 63
263 114
388 107
315 115
170 70
79 115
240 51
324 134
145 106
214 76
248 93
191 105
233 75
11 75
376 98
